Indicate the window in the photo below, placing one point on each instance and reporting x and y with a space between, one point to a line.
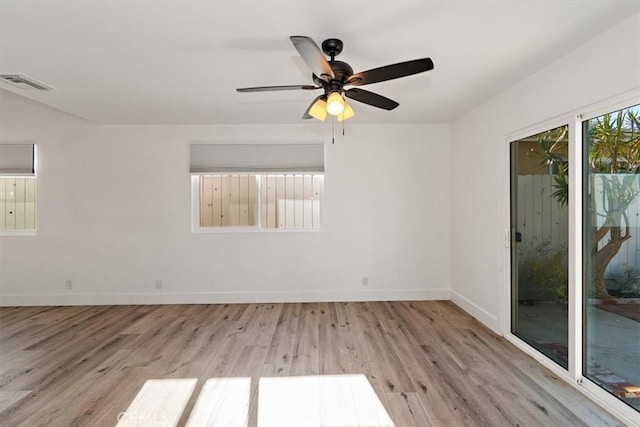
17 189
291 201
539 250
611 239
257 186
228 200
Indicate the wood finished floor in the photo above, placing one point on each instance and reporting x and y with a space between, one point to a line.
429 362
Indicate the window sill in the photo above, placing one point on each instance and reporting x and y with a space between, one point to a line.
18 233
227 230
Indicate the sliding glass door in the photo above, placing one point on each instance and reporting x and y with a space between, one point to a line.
539 242
611 236
591 326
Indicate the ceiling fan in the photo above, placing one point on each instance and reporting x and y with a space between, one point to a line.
333 76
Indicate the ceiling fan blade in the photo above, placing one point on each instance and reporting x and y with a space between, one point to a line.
371 98
390 72
312 55
274 88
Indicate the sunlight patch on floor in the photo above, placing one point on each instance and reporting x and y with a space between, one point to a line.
303 401
158 403
222 402
320 400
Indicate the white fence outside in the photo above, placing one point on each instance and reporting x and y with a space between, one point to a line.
541 218
629 253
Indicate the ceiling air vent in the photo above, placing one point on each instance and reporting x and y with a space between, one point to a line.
23 82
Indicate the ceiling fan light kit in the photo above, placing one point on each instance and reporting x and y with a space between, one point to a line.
347 113
335 104
318 109
333 76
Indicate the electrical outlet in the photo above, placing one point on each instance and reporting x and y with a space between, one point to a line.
68 285
365 281
158 284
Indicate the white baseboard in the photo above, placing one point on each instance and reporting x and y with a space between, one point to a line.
220 297
488 319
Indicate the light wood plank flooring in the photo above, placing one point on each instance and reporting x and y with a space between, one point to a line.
429 363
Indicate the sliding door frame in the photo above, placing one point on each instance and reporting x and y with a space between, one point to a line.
555 122
574 374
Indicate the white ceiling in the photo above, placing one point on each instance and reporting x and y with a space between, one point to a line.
179 62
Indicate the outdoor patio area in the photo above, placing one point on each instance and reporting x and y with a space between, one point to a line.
614 353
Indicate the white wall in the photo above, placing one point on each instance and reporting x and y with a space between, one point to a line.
114 211
604 67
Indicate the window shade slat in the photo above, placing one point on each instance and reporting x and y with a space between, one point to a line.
16 159
256 158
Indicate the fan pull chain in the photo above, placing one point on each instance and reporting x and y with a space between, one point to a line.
333 133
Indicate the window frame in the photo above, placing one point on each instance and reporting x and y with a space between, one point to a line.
196 228
31 231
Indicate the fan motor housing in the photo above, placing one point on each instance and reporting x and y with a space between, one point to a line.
341 70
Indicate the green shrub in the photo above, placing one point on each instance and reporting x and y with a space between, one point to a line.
542 273
624 281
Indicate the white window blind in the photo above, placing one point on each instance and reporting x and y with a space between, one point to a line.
16 159
256 158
